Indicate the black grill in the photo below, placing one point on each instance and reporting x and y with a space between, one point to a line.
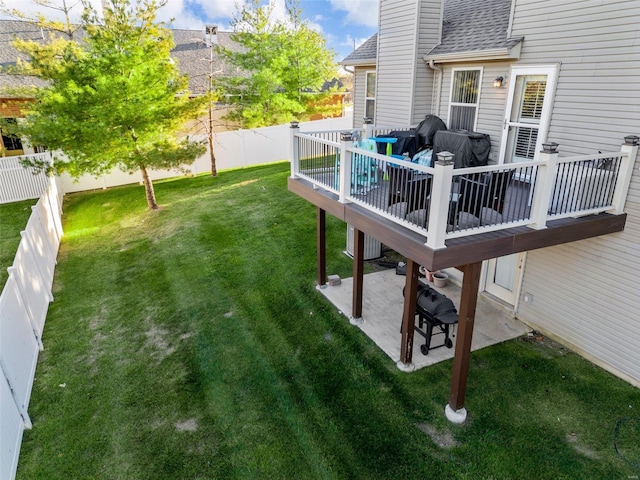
434 310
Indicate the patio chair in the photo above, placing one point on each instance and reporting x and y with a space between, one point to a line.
482 195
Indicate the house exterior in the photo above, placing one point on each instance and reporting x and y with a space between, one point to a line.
565 72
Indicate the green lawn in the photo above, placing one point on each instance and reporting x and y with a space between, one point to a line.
190 343
13 219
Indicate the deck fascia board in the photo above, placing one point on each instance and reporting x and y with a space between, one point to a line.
464 250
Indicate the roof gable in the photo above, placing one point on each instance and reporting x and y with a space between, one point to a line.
474 26
365 54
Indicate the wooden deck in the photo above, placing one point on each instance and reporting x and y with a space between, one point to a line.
458 251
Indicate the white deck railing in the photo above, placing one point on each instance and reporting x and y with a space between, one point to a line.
441 202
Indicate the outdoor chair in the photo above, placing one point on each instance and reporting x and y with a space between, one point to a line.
482 195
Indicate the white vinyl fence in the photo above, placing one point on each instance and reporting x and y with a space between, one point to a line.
24 302
236 149
20 183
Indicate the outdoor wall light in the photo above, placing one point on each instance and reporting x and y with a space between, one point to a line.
550 147
498 82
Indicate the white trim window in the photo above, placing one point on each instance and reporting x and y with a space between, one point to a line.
528 112
464 102
370 95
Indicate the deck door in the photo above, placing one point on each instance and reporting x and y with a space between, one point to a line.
503 277
527 113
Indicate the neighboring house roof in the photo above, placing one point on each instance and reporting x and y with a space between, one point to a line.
475 29
191 54
365 54
9 30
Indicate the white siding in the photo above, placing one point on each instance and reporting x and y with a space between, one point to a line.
396 62
359 92
408 30
428 37
586 293
492 100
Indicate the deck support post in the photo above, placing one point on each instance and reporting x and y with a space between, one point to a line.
358 276
455 410
409 316
321 222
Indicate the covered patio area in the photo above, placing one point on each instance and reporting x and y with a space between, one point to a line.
382 309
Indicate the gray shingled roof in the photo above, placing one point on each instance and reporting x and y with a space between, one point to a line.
467 26
190 53
365 54
474 25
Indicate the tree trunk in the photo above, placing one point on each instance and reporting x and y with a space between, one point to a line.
148 188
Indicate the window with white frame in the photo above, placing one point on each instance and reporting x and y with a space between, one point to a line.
370 95
465 98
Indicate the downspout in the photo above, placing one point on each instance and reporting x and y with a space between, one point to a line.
437 87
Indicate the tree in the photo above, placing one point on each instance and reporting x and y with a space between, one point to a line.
284 64
114 100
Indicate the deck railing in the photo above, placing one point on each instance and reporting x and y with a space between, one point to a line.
441 202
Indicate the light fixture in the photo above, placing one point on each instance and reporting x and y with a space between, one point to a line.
498 82
551 147
631 140
445 158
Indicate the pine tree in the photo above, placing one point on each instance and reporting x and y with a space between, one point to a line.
115 99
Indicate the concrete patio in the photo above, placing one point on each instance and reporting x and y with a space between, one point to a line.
382 314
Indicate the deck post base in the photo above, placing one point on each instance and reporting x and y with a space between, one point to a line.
405 367
455 416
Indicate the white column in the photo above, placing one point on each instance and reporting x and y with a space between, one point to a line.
630 149
545 181
440 200
346 141
295 153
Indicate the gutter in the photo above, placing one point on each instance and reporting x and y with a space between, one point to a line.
437 89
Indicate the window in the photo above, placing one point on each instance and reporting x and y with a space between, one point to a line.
465 96
370 95
10 142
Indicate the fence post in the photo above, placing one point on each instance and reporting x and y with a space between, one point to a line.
440 200
295 151
368 127
630 148
346 140
545 185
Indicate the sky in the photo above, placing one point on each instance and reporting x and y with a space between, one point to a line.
344 23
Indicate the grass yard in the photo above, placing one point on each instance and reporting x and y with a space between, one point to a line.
190 343
13 219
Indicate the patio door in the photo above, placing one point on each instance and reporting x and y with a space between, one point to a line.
527 113
503 277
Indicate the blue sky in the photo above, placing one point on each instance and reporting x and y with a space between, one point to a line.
344 23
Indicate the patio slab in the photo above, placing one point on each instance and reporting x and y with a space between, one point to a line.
382 314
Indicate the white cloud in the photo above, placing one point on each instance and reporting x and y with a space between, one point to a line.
359 12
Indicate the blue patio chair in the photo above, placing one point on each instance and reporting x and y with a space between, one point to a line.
364 169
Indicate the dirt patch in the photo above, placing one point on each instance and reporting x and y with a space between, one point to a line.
574 441
190 425
156 340
442 439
